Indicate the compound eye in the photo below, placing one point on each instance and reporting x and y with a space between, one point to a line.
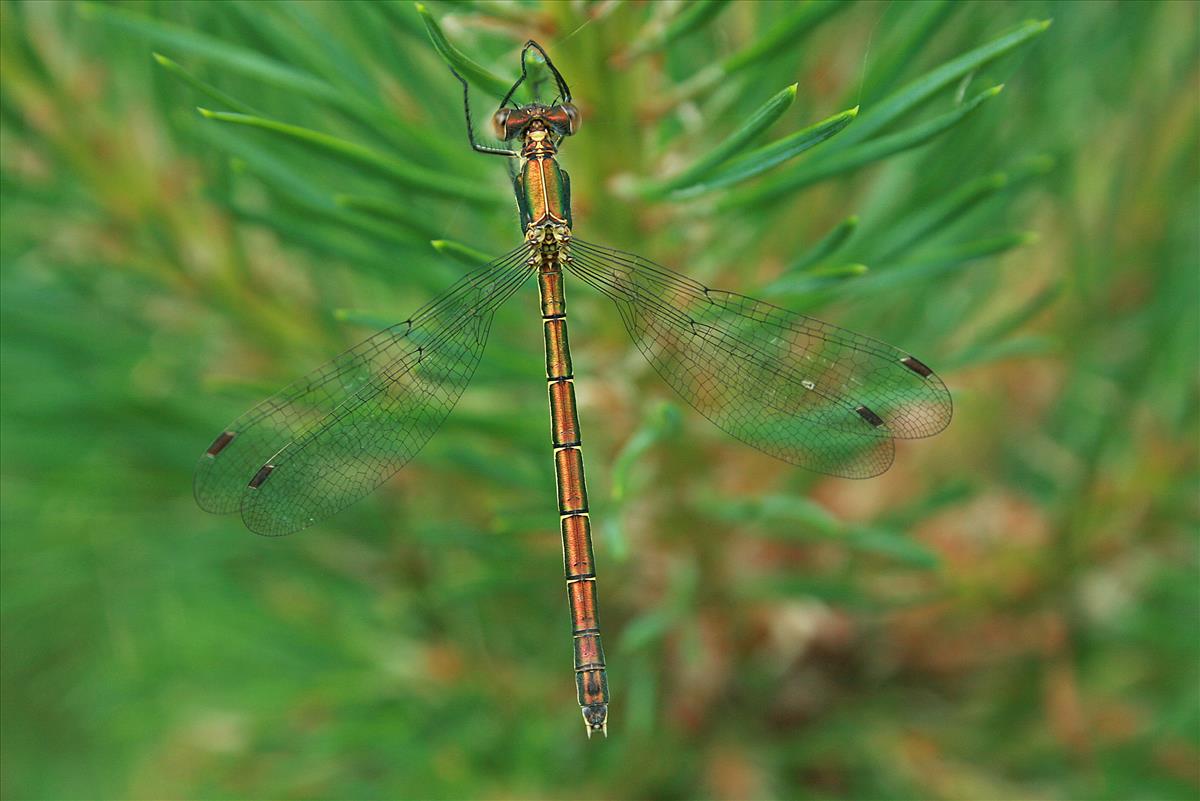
500 123
564 119
572 115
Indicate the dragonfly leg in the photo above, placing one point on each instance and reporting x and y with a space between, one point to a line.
563 90
591 681
491 151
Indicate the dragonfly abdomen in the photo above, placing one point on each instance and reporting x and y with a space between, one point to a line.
591 683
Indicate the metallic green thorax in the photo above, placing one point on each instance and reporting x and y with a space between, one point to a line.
543 188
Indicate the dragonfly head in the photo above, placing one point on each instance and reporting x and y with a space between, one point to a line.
514 123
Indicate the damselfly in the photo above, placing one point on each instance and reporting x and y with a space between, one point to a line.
801 390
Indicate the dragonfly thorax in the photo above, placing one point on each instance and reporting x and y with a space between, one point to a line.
548 237
538 144
543 193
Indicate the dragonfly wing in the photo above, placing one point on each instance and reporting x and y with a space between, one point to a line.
801 390
331 437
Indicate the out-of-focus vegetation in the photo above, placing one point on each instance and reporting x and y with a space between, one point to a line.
1011 612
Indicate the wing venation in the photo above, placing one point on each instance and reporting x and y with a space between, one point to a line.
804 391
331 437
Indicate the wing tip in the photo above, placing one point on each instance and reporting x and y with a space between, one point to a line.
883 462
939 407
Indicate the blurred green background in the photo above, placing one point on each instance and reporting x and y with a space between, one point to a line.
1010 612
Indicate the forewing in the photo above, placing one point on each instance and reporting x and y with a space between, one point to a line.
331 437
804 391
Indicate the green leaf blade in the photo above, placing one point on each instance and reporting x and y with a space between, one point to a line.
940 213
388 210
788 32
232 57
471 71
816 280
849 159
661 425
693 17
769 156
944 259
463 254
923 88
889 68
405 175
200 86
759 121
894 545
830 244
